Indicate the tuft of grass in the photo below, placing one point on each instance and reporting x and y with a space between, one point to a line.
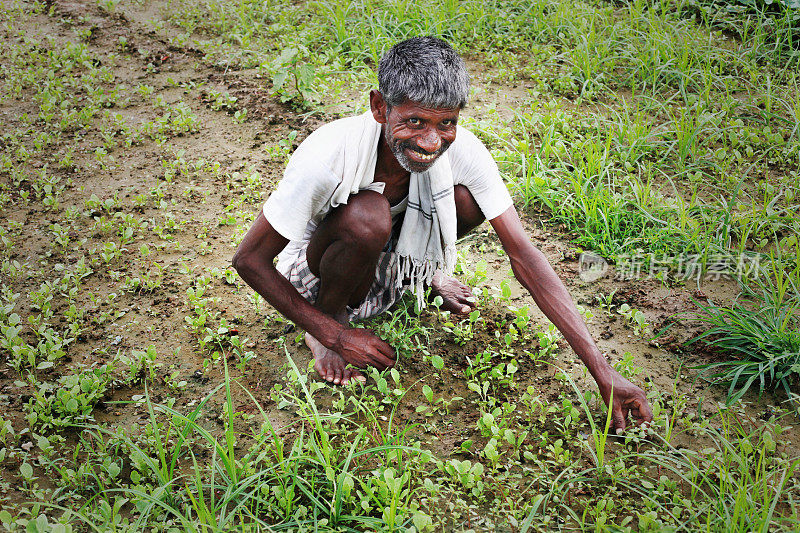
764 339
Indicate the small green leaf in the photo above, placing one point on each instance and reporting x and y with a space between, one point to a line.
43 443
86 384
279 79
422 522
286 56
305 74
427 392
26 470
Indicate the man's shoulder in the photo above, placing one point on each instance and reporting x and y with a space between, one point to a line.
325 145
467 138
468 146
335 132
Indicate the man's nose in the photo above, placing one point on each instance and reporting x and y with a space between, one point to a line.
430 141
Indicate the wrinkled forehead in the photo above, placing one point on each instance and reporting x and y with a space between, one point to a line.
410 107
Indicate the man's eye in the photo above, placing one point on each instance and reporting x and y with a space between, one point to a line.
448 122
414 121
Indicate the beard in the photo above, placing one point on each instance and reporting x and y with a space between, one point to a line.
399 150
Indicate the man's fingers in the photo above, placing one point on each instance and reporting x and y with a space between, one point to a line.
640 410
456 307
618 418
642 413
645 413
467 306
384 356
387 351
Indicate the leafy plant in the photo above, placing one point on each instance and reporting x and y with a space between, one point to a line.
69 402
292 79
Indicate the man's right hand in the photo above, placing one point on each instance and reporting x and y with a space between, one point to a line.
362 348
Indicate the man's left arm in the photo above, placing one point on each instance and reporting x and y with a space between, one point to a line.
535 273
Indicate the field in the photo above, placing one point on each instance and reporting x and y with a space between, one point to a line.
652 149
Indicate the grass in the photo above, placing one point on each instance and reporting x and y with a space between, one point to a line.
764 340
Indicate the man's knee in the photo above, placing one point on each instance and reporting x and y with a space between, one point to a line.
366 221
468 212
363 225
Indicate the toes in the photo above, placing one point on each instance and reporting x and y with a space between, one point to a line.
326 375
323 369
319 368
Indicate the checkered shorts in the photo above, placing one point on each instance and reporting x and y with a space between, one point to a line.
381 296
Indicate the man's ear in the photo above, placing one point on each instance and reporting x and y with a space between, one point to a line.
378 106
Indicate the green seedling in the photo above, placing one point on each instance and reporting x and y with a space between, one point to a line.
635 318
464 331
292 79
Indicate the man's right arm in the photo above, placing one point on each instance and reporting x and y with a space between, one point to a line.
254 262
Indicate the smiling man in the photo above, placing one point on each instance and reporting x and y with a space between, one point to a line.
372 205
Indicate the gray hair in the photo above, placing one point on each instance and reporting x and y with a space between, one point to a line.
425 70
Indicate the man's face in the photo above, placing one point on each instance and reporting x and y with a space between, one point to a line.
418 135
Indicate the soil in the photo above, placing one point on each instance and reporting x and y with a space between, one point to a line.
200 243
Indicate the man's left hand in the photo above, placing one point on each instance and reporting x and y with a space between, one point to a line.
627 399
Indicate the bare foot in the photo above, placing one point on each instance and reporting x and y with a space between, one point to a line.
457 297
330 364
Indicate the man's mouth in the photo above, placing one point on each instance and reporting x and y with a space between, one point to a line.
422 156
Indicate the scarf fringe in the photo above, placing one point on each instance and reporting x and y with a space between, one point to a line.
420 273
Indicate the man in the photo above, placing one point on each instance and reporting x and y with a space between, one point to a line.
372 205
